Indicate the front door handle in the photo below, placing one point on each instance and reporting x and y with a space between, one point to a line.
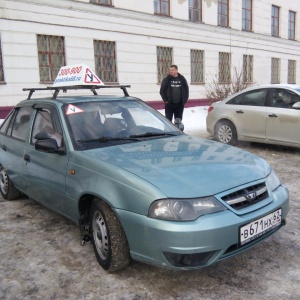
27 158
273 116
239 112
4 147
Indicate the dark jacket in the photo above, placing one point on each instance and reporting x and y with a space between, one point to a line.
165 89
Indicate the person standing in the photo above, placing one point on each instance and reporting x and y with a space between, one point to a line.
174 91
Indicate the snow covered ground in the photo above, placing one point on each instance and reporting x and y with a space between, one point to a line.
194 120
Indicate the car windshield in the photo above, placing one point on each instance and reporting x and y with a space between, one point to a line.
106 123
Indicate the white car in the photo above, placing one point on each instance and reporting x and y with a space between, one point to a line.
265 114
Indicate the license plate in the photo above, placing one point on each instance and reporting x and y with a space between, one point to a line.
259 227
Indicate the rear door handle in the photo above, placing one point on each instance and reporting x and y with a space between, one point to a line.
4 147
27 158
239 112
273 116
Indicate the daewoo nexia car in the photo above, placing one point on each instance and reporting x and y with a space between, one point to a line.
137 186
265 114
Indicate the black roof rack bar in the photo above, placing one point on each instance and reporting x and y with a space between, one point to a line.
93 88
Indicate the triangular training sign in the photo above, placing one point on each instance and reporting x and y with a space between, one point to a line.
71 109
76 75
90 77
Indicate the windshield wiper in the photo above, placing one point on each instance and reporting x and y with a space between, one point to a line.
150 134
104 139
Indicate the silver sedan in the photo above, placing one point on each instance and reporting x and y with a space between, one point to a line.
265 114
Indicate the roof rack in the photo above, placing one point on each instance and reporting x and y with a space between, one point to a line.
93 88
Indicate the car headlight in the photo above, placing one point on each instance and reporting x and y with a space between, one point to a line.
273 181
184 209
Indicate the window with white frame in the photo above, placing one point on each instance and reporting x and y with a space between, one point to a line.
2 79
164 61
248 68
51 55
275 21
275 70
247 15
224 67
105 61
292 25
103 2
195 10
197 66
162 7
291 71
223 13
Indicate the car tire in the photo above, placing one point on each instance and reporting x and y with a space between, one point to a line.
108 238
226 133
7 189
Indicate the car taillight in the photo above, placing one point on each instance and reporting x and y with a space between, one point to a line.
210 109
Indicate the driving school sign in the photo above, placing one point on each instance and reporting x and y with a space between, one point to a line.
76 75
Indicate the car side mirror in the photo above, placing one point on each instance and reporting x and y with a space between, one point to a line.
46 144
296 105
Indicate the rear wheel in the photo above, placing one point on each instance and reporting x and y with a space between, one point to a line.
226 133
7 189
108 238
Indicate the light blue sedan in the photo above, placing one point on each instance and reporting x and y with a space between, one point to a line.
138 187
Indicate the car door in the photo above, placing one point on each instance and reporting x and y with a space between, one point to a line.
249 114
14 135
283 122
46 172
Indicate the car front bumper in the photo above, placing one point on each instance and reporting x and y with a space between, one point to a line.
194 244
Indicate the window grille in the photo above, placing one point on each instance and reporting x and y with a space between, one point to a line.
248 68
247 15
162 7
195 10
105 61
2 79
291 71
103 2
275 21
51 54
164 61
292 24
275 70
224 67
197 66
223 11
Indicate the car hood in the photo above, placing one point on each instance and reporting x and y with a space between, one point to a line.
185 166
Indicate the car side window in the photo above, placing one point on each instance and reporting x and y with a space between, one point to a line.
19 128
284 98
6 122
252 98
44 122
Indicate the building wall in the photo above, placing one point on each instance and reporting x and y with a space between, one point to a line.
137 32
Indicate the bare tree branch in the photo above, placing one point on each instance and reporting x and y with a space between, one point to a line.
216 91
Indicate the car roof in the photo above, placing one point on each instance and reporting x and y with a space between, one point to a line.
54 94
279 85
81 98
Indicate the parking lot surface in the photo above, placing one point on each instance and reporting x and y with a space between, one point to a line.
41 256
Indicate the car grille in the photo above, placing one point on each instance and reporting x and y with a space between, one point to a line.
247 196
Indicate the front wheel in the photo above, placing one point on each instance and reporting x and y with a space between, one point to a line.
7 189
108 238
226 133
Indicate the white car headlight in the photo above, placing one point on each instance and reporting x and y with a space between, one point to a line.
184 209
273 181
